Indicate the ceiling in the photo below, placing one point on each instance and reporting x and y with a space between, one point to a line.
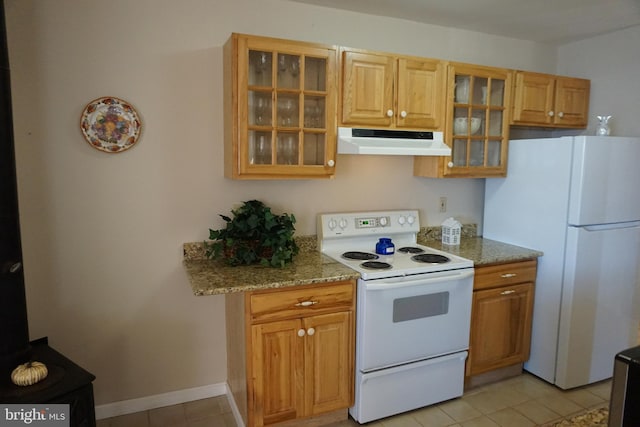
547 21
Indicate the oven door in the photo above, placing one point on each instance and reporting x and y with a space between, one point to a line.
405 319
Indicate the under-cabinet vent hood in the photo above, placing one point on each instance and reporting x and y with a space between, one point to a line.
391 142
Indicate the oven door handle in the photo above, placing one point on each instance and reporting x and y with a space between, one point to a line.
386 285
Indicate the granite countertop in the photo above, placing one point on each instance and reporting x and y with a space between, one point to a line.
484 251
211 277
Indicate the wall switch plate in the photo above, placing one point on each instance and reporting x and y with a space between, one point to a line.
443 204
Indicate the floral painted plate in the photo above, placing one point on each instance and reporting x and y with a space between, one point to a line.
110 124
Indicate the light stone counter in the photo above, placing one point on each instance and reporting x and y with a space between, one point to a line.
484 251
211 277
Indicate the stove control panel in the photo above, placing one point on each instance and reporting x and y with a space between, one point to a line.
353 224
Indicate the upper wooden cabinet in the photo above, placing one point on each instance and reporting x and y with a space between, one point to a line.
477 125
388 91
280 108
552 101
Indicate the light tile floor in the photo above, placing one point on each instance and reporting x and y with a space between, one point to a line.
522 401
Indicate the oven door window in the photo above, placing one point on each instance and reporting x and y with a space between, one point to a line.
420 306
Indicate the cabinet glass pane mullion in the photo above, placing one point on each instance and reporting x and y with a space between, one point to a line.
260 68
494 153
288 71
476 152
315 74
260 147
496 94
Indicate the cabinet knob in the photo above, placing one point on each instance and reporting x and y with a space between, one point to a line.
389 113
450 164
561 114
509 292
403 114
550 113
301 332
311 331
331 163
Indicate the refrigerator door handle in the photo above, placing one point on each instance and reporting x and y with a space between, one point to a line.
615 226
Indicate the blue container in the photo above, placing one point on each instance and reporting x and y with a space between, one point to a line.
385 246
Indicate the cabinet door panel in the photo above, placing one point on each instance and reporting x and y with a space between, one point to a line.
420 93
477 122
572 102
277 359
279 94
501 327
329 355
367 92
533 99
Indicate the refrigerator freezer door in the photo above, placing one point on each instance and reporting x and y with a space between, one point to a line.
604 181
601 293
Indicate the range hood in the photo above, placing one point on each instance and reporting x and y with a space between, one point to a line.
391 142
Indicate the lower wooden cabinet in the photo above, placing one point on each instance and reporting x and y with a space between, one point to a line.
501 316
296 360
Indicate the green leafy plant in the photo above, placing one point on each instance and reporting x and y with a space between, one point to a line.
254 235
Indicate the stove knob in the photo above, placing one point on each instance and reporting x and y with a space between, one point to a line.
383 221
343 223
332 224
401 220
411 219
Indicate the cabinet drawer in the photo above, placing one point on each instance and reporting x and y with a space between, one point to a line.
302 301
504 274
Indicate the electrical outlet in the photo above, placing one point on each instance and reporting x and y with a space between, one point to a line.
443 204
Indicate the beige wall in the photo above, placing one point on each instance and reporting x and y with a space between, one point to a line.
102 233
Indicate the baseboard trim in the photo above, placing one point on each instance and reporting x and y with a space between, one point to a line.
124 407
234 408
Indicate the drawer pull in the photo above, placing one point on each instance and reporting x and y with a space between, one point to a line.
306 303
509 292
507 275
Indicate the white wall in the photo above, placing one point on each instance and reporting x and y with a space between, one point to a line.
102 233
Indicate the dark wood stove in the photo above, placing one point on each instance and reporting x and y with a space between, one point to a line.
67 382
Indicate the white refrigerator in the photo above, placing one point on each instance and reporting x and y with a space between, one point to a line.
576 199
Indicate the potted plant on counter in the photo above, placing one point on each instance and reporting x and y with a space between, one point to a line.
254 235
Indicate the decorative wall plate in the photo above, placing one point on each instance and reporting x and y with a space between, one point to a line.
110 124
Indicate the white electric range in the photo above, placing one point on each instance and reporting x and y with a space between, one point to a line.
413 311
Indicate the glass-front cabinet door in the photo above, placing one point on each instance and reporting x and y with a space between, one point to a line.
478 122
280 110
